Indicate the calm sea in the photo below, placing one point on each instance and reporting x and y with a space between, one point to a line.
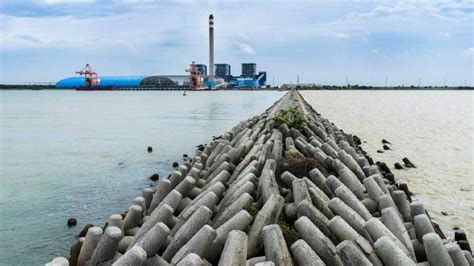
84 155
434 129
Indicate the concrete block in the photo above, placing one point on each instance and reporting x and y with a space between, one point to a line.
403 206
58 261
90 243
390 254
275 245
436 253
107 246
393 222
305 208
351 254
338 207
377 229
304 254
162 190
235 249
153 239
133 217
267 215
243 202
300 191
191 260
373 189
422 226
319 242
134 256
197 244
351 200
456 254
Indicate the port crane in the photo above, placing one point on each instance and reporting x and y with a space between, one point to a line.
195 78
90 75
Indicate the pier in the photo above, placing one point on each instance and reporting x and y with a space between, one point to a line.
286 187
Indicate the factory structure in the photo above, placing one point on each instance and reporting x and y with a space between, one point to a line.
219 76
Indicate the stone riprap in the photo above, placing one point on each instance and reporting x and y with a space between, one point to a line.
269 192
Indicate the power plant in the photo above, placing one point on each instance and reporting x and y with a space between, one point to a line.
200 77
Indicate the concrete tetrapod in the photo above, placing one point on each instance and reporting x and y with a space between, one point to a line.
422 226
305 208
267 215
304 255
351 254
133 217
390 254
435 251
107 245
161 214
191 260
197 244
90 243
153 239
393 222
162 190
321 244
456 254
235 249
135 256
351 200
187 231
377 230
275 246
240 221
58 261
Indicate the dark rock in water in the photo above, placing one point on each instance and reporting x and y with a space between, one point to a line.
150 149
155 177
85 229
465 189
200 147
383 167
71 221
459 235
120 163
357 140
379 151
74 253
398 166
464 245
390 177
371 161
404 187
408 163
444 213
175 164
384 141
185 155
385 147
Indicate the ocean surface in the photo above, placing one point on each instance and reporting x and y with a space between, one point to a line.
434 129
84 155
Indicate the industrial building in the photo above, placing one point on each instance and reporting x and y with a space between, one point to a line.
218 77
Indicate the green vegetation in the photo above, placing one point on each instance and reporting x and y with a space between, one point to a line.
27 87
292 117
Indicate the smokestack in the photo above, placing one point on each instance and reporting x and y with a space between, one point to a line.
211 47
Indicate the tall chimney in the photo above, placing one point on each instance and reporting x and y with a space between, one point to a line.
211 47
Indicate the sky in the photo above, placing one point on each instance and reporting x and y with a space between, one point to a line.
323 42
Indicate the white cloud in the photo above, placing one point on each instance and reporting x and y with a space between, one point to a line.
446 35
245 48
342 35
375 51
469 51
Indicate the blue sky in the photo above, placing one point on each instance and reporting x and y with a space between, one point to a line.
321 41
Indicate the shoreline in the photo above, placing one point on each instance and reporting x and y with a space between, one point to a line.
251 175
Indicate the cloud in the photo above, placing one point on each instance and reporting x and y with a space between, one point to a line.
375 51
245 49
469 51
446 35
28 38
342 35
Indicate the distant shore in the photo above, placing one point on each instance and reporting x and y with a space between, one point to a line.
284 88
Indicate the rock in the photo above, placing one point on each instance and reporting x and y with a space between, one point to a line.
155 177
459 235
398 166
185 155
74 252
385 147
175 164
150 149
379 151
384 141
85 229
408 163
71 221
444 213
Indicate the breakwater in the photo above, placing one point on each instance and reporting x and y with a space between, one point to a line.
245 197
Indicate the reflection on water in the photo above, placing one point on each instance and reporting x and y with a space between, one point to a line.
83 154
434 129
